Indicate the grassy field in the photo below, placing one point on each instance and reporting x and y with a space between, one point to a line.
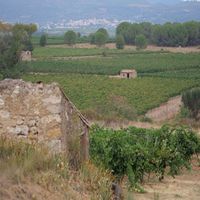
59 51
49 52
50 40
102 97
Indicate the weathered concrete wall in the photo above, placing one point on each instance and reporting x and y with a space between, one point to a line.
41 113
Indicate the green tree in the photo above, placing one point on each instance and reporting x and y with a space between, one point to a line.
129 31
104 31
92 38
193 30
23 32
100 39
29 28
120 42
43 40
141 41
70 37
10 50
14 39
191 100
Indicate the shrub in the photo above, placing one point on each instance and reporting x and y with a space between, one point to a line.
43 40
191 100
141 42
138 152
120 42
70 37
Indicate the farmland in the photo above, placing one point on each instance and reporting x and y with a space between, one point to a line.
101 96
139 152
51 40
112 63
83 75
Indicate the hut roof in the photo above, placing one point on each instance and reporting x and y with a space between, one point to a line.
128 70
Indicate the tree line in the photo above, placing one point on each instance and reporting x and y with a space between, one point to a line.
168 34
140 34
99 38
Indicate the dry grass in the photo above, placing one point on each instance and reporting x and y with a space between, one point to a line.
29 171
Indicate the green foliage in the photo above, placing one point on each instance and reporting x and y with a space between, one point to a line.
184 113
116 98
168 34
92 38
14 39
104 31
100 39
160 64
70 37
138 152
43 40
191 100
29 28
141 42
128 31
120 42
23 33
10 49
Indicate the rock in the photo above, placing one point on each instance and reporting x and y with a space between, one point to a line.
20 122
32 123
33 130
1 102
54 109
4 114
52 100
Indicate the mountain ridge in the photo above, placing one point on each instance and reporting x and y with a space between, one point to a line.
155 11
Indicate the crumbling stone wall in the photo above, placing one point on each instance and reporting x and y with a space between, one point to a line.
42 113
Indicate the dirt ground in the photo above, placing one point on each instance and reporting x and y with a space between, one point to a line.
165 111
149 48
184 187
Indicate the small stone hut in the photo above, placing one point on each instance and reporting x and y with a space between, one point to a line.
128 73
42 113
26 56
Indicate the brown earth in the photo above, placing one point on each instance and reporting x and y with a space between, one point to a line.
165 111
149 48
28 190
184 187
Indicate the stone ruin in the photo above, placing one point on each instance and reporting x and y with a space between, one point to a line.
128 73
42 113
26 56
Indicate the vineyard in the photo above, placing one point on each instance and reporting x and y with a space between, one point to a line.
103 97
112 62
139 153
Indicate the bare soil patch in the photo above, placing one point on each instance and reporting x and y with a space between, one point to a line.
165 111
184 187
129 47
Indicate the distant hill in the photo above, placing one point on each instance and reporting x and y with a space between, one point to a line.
42 12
